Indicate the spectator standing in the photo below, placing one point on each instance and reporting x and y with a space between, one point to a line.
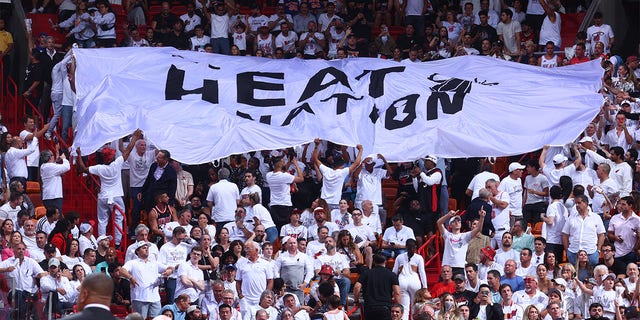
220 28
580 230
294 267
111 191
622 230
457 242
140 161
378 287
279 183
253 277
600 32
145 276
30 135
550 29
105 21
161 178
51 170
510 32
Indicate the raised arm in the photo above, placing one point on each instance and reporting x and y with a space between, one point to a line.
358 159
543 156
81 165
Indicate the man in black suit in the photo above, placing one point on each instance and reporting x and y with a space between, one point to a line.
95 298
162 178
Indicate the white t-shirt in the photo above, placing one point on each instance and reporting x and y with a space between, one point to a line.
110 178
257 22
553 174
370 185
33 158
51 175
508 32
219 26
537 183
192 272
338 262
332 182
311 47
279 183
500 217
514 189
190 22
391 235
288 42
224 196
602 33
139 167
553 232
479 181
455 249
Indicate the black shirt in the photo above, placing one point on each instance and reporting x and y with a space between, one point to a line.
377 286
484 32
473 213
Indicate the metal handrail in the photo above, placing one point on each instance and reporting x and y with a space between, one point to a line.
116 227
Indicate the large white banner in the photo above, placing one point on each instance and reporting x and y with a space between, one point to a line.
203 107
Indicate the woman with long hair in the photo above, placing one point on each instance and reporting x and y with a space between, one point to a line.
72 255
206 224
553 268
60 236
208 262
544 283
531 313
260 215
222 239
448 307
77 276
16 238
346 246
409 267
583 268
6 230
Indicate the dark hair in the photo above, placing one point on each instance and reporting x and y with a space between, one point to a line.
483 13
507 12
566 184
379 258
472 265
541 239
618 151
594 305
628 200
504 285
51 211
495 273
326 289
410 245
555 193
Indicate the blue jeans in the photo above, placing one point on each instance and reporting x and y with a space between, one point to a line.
272 234
593 258
67 116
170 289
56 100
389 253
344 284
220 45
57 202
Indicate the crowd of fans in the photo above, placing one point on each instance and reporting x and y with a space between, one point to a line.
279 234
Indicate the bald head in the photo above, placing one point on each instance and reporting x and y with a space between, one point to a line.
95 288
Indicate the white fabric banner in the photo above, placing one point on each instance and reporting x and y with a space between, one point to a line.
203 106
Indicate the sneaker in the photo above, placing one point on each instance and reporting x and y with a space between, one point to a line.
47 136
41 9
34 10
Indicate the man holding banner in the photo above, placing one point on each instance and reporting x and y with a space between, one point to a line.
111 192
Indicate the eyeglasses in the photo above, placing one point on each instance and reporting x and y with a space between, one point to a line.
606 250
356 214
